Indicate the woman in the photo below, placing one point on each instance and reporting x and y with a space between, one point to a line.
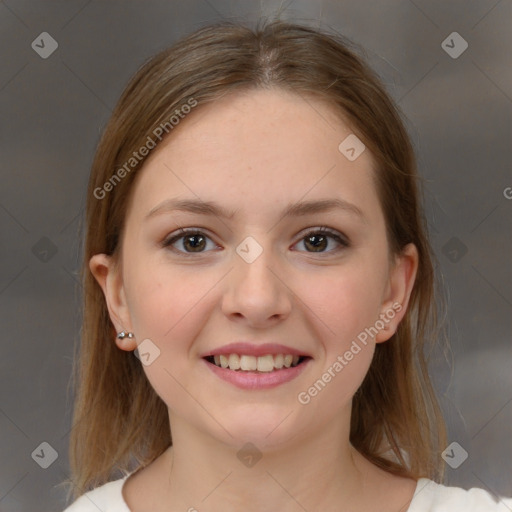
255 236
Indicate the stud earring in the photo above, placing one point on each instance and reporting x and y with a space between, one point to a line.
123 334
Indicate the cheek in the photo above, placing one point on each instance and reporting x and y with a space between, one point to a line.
345 300
169 308
345 305
345 351
163 301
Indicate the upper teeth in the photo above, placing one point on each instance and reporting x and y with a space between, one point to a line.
263 363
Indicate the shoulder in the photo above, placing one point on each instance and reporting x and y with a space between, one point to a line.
107 498
433 497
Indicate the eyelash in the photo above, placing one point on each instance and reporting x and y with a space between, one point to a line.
183 232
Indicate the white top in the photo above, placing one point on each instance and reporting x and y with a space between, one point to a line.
428 497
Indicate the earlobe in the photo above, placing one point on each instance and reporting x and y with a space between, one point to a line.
398 292
108 276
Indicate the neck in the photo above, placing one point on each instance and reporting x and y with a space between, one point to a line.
313 473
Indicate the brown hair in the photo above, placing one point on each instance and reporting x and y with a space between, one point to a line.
119 419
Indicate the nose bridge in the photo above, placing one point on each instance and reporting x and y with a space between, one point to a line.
255 289
255 265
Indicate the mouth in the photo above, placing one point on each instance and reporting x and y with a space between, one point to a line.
268 363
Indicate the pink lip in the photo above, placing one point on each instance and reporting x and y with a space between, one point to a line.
250 349
257 380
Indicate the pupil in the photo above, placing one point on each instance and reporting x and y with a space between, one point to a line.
196 246
316 246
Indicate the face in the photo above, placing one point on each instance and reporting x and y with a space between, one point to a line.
254 272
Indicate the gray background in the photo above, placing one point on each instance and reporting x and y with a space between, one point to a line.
52 111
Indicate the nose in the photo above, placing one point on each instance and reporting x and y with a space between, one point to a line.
257 293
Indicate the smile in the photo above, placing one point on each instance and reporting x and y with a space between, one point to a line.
253 373
266 363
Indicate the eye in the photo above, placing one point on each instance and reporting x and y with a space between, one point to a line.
195 241
318 239
192 239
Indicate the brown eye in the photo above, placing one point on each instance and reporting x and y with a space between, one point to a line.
190 241
197 242
319 240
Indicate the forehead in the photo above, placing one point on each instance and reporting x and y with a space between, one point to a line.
257 147
272 119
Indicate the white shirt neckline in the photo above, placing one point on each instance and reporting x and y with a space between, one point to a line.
417 501
429 496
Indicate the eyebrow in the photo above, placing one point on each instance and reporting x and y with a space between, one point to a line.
295 209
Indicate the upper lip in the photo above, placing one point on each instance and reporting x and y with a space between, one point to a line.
251 349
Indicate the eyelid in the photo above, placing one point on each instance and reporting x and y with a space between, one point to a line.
169 240
336 235
341 239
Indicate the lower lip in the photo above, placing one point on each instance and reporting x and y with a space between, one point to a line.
257 380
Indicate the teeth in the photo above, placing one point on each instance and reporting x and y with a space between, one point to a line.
234 361
267 363
248 363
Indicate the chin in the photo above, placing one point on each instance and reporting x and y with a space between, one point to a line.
267 427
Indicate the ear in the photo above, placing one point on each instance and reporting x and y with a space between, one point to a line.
109 277
398 291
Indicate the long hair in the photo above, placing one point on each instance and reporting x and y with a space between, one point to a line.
119 420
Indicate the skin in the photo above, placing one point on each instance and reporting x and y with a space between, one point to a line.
256 153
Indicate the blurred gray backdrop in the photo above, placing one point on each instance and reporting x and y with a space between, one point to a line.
63 67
